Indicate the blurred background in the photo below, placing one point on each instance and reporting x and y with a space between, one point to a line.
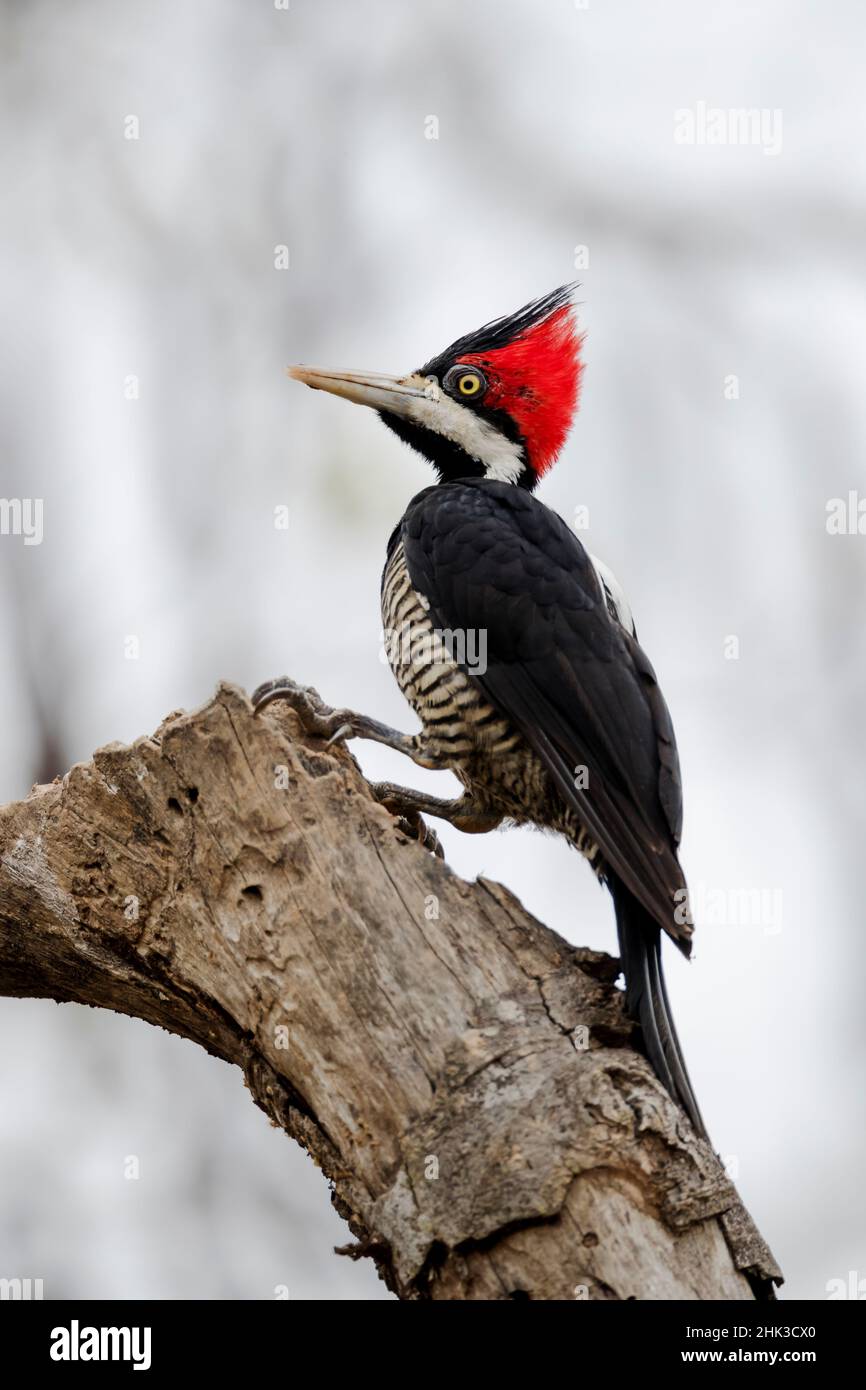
196 195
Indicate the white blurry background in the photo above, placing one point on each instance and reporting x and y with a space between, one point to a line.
155 258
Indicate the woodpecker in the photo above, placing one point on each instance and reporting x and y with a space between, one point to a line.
552 716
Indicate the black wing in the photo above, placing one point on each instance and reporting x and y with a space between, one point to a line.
489 557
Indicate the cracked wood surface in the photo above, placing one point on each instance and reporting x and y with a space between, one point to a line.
466 1080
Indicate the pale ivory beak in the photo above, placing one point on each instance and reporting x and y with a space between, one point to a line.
394 393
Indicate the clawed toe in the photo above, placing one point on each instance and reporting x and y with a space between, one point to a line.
398 800
417 828
314 714
283 688
344 731
432 842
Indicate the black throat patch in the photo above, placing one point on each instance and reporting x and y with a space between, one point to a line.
448 459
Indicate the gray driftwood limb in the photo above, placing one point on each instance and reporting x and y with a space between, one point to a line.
465 1079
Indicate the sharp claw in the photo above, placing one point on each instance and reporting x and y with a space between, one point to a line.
261 699
281 688
429 839
344 731
304 700
413 824
409 819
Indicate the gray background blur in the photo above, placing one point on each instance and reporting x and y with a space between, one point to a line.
155 258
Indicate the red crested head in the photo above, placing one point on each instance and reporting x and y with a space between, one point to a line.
497 404
535 379
522 380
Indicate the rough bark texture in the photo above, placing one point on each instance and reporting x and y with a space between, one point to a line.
466 1080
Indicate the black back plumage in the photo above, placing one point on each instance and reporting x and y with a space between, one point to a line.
489 556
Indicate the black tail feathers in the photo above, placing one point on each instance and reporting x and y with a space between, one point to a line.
646 999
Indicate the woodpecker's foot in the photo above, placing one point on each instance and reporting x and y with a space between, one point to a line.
459 811
333 724
315 716
303 699
407 805
417 828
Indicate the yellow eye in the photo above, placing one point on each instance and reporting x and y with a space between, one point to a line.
465 381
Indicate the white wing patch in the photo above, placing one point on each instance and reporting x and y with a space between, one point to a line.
617 603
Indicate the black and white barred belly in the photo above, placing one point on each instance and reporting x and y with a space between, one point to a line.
462 730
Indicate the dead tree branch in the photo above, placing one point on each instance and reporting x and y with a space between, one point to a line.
465 1079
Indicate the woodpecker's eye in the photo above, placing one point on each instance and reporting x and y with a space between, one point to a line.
465 381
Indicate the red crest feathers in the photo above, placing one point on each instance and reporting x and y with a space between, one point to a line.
536 379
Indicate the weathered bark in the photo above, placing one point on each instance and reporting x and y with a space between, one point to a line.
466 1080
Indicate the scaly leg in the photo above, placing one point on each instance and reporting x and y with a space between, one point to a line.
459 811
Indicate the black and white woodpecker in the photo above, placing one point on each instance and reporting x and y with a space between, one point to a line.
562 725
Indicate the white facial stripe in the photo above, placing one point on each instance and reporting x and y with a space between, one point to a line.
501 457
